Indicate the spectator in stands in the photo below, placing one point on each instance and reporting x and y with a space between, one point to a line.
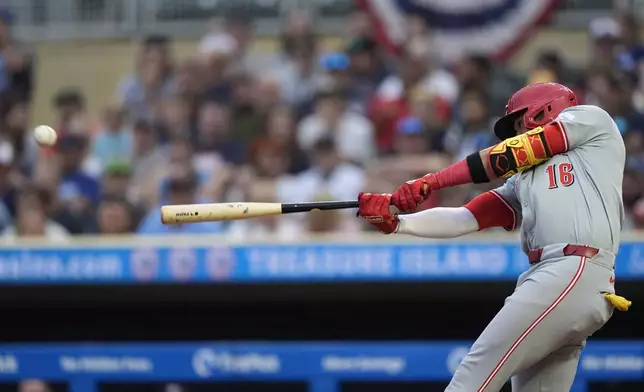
216 56
638 94
352 132
410 158
115 216
335 66
78 190
367 70
240 28
16 65
551 60
605 35
632 193
32 219
472 128
141 92
246 126
616 96
189 82
297 30
175 119
411 138
328 176
550 67
417 27
8 191
634 142
280 129
114 141
180 154
16 124
299 77
70 107
182 188
360 25
268 159
116 178
418 67
475 72
628 116
213 134
147 164
246 118
596 87
267 93
47 176
385 110
297 73
435 114
638 215
415 71
631 54
547 69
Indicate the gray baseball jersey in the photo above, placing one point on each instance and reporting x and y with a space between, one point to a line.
573 198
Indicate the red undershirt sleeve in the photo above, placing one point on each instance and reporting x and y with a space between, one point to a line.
500 207
491 210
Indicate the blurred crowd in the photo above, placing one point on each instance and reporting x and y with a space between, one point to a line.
303 125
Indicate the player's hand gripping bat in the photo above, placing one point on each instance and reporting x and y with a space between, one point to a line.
190 213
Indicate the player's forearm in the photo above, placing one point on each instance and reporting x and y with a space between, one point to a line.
504 159
438 222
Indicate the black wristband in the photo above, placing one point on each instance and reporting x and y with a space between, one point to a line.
477 170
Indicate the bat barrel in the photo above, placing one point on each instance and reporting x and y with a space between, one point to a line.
213 212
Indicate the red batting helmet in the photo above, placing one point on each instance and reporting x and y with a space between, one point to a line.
538 103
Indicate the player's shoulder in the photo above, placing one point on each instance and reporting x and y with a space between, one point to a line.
590 120
586 114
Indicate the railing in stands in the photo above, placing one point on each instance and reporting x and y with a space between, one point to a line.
86 19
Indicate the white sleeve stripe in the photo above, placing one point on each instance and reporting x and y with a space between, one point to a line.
514 214
563 133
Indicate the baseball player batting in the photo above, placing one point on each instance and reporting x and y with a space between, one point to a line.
564 165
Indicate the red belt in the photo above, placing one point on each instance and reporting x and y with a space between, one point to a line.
534 256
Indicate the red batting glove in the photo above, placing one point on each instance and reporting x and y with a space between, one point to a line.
374 208
409 195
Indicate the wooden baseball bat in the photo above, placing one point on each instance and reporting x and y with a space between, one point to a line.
190 213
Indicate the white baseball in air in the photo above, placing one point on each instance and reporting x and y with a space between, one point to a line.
45 135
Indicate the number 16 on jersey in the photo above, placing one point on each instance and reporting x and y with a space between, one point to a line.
560 175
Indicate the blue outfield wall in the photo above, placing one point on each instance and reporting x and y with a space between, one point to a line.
177 260
321 365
